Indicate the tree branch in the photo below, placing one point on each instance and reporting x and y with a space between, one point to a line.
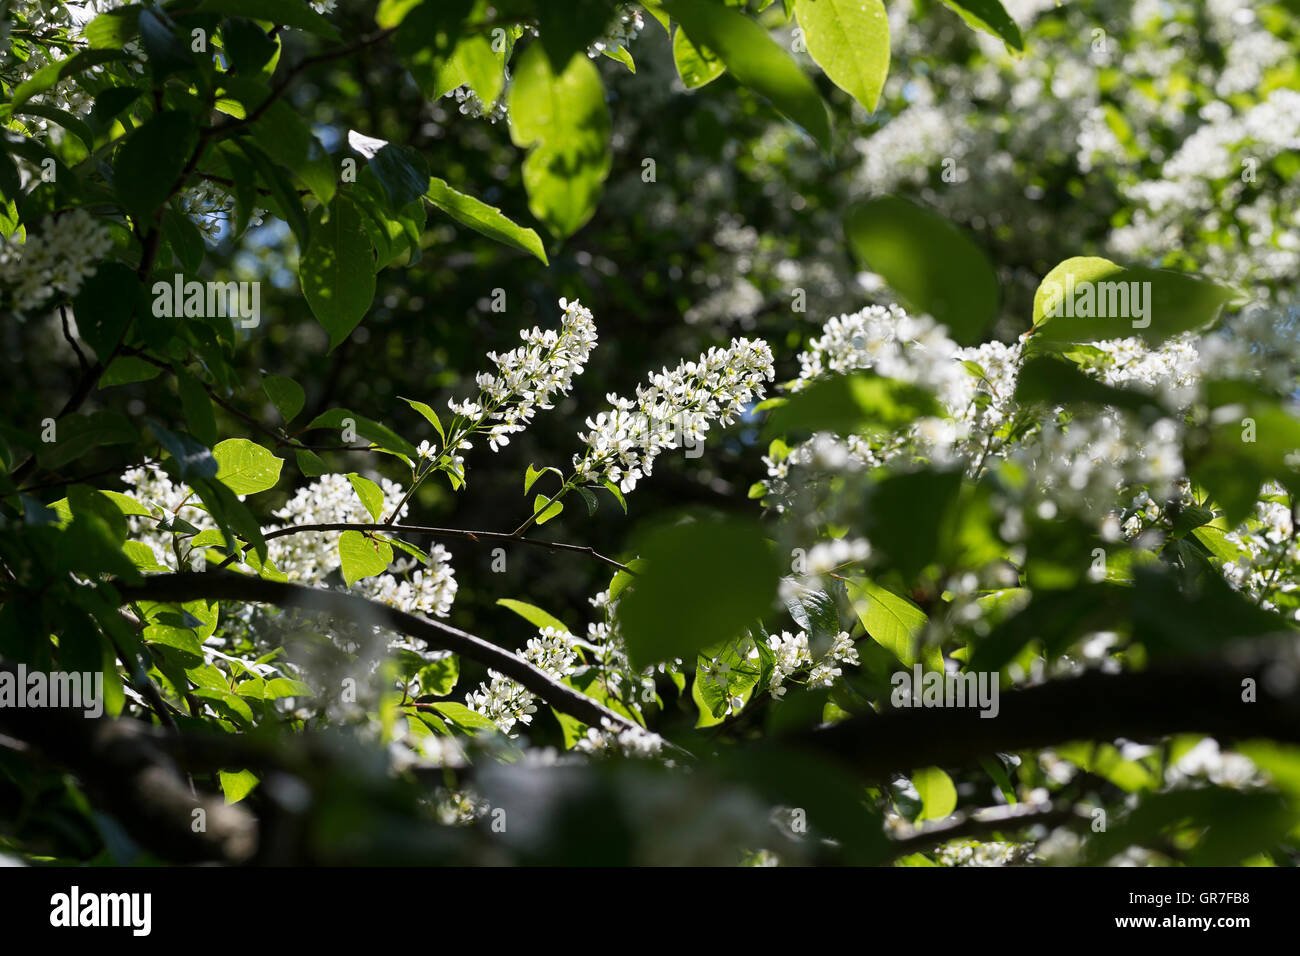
282 86
237 587
982 824
1188 696
126 766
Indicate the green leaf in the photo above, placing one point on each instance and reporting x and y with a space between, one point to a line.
849 405
563 121
149 163
310 463
126 370
283 200
363 555
104 306
618 495
849 40
544 511
484 219
113 29
287 138
367 428
77 434
391 13
279 687
245 467
755 60
911 517
991 17
197 406
125 503
893 622
248 45
620 54
184 239
179 638
439 678
567 29
622 579
285 394
1044 379
1087 298
166 52
815 612
231 705
237 784
402 172
938 795
291 13
429 415
934 266
697 67
68 121
589 499
532 614
703 582
337 273
193 459
231 515
370 494
531 476
463 717
474 64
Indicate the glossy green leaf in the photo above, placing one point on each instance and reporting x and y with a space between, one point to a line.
849 40
484 219
363 556
562 119
336 273
703 582
756 61
934 266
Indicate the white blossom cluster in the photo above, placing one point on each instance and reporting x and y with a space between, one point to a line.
470 104
529 377
626 28
676 407
212 209
1212 185
53 262
793 654
508 703
973 385
561 654
313 557
310 558
635 742
51 20
1264 545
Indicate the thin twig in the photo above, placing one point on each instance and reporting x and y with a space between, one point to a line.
475 536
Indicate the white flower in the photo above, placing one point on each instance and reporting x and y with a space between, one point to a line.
529 377
676 408
59 259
